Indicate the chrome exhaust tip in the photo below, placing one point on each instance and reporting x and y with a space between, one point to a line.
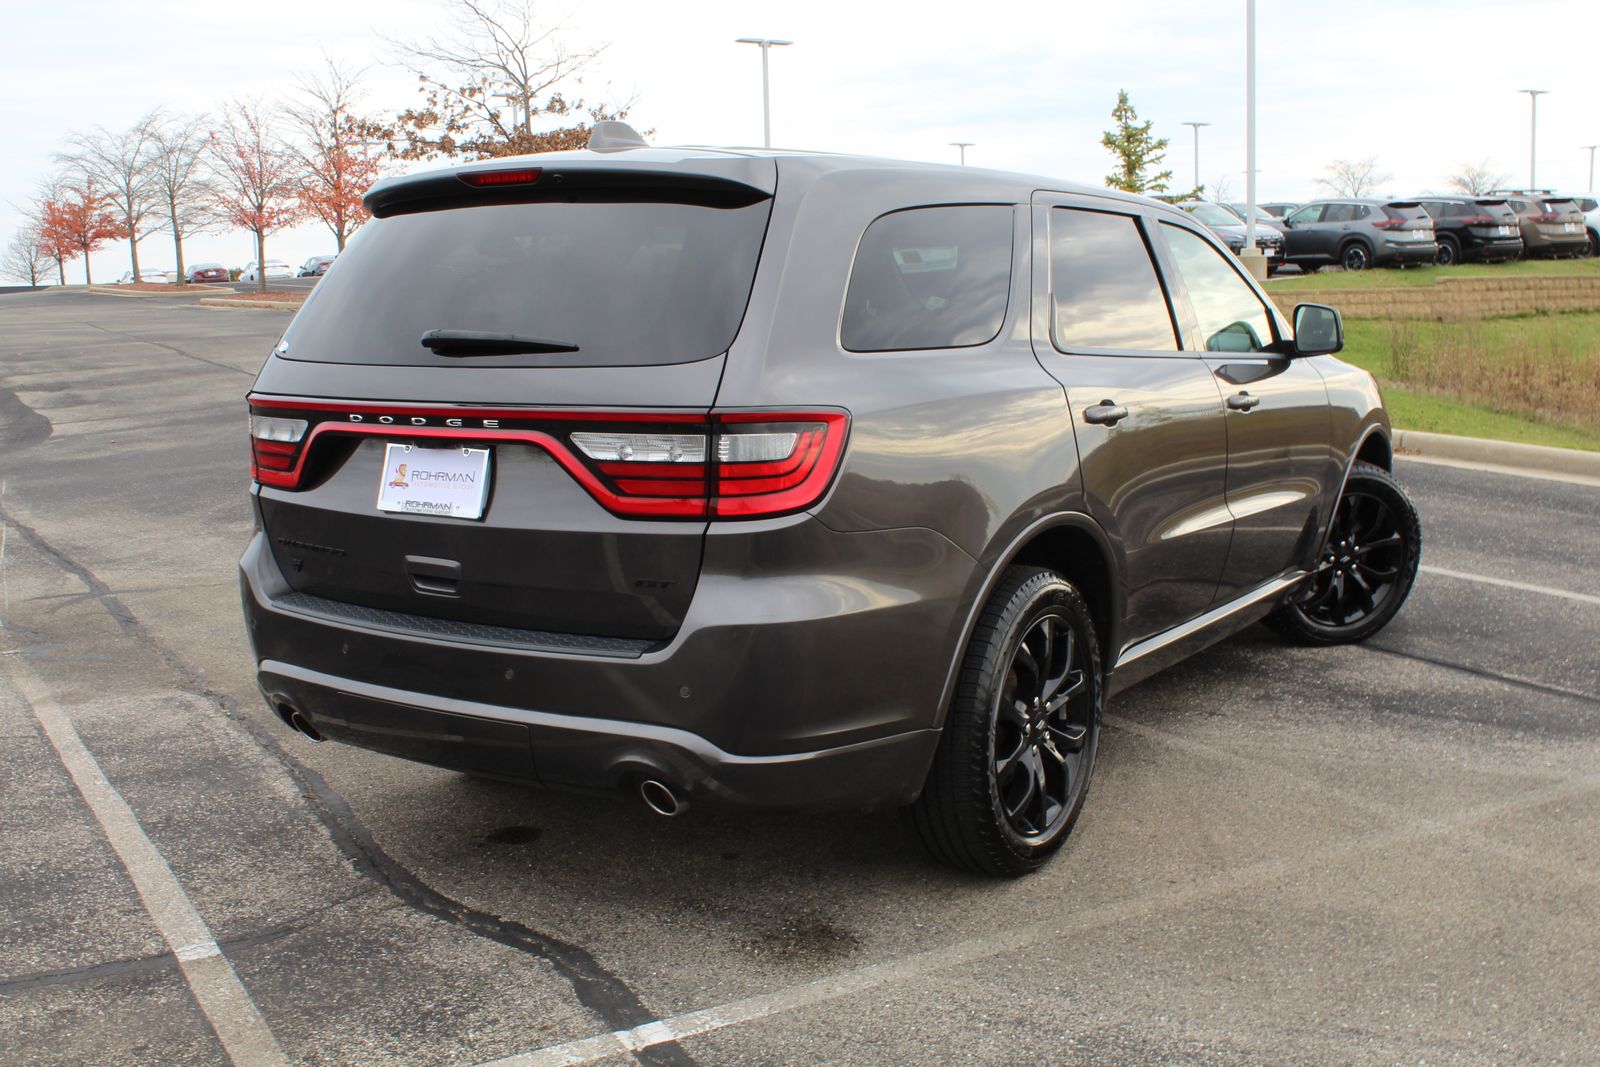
298 722
660 798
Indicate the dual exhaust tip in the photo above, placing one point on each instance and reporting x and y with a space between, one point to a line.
294 720
657 795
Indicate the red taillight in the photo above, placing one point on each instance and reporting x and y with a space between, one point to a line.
1388 224
637 464
482 179
1546 217
1478 220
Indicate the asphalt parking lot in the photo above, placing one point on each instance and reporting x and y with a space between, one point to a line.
1378 854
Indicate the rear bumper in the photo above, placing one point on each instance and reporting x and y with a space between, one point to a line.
1500 248
785 689
1395 252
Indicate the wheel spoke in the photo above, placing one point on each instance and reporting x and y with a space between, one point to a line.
1070 737
1004 765
1076 683
1029 768
1362 593
1388 541
1014 713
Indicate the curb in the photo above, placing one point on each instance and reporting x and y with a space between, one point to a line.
177 290
1477 450
269 305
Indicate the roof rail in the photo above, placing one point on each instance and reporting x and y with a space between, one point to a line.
609 135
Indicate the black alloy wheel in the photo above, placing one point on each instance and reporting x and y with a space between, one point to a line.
1019 743
1355 257
1367 567
1448 255
1309 268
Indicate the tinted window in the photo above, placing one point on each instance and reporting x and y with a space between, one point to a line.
1104 284
1231 316
1309 213
1339 213
1587 204
932 277
1560 207
628 283
1405 211
1499 209
1213 215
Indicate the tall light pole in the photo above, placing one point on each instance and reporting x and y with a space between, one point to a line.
1197 126
963 145
1533 135
1252 255
1591 147
767 44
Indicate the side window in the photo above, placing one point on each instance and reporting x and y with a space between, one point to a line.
1339 213
1308 214
1105 287
1231 317
1361 211
931 277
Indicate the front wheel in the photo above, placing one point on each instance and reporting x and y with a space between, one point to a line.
1367 568
1448 255
1013 764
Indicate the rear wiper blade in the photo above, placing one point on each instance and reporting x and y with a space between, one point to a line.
476 343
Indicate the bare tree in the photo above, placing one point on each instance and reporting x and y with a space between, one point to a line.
184 200
1354 178
255 175
492 83
118 165
337 149
26 257
1222 189
1475 179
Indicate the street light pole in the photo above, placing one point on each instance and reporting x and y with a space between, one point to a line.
766 44
1591 147
1197 126
1253 259
963 145
1533 135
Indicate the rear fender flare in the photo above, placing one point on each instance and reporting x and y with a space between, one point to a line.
1113 609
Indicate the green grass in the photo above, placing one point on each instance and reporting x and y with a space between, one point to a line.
1386 278
1534 379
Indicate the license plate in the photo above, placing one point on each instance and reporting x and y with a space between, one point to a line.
448 482
1269 252
1571 227
1504 231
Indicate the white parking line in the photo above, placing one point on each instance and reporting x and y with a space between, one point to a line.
1543 590
752 1009
221 996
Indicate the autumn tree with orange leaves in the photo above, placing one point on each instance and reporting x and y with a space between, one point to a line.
336 148
256 175
75 224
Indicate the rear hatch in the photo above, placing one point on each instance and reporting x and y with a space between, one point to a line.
1495 221
1405 221
1560 221
496 406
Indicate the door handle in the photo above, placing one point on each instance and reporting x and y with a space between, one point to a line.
1105 413
435 577
1243 401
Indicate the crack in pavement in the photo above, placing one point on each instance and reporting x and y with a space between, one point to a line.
596 988
170 348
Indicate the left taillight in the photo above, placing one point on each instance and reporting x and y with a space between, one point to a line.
275 449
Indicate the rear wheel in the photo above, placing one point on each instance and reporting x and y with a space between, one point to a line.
1309 268
1449 252
1354 256
1019 743
1367 568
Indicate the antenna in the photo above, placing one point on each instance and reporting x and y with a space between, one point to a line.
611 136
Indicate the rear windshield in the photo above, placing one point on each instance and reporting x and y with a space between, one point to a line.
1498 208
1405 211
1561 207
629 284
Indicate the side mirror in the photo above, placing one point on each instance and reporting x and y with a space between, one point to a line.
1318 330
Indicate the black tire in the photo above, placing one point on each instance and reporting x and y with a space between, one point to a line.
1594 243
1355 256
1309 268
1449 253
1013 764
1367 568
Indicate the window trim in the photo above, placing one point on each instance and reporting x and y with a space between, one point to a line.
1141 223
855 257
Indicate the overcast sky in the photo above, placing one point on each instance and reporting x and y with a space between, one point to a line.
1422 85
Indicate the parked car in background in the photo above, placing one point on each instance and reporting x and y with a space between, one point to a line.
147 276
1230 228
1359 233
275 268
1470 228
1262 216
205 272
1589 204
1551 226
1278 208
696 517
316 266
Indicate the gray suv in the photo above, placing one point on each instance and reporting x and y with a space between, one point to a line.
789 480
1357 234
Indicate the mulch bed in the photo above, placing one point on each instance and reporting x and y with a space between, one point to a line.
155 287
272 296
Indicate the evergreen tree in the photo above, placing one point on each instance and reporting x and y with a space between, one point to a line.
1136 151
